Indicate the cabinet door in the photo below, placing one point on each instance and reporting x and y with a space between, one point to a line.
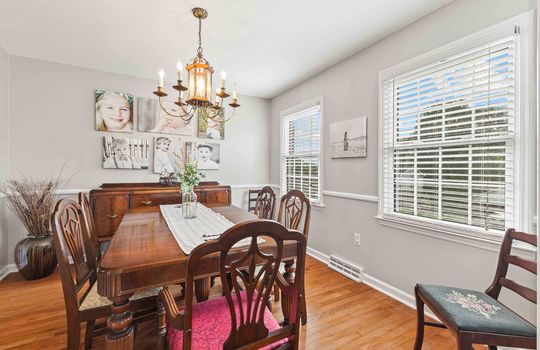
150 199
217 197
108 213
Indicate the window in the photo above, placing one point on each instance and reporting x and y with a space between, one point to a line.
450 136
301 150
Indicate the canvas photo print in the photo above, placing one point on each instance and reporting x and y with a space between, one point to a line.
210 129
348 139
167 154
151 118
207 155
125 153
114 111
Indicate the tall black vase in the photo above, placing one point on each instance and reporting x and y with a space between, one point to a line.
35 257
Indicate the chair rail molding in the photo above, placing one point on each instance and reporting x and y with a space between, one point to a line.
353 196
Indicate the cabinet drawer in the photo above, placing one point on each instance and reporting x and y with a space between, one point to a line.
217 197
150 199
108 213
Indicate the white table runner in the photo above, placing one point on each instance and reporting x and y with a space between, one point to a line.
189 233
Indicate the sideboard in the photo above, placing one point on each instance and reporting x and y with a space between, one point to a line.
112 200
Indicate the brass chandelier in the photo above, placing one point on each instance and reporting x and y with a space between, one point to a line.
199 86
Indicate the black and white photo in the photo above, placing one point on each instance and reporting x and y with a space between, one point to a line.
125 153
167 154
348 139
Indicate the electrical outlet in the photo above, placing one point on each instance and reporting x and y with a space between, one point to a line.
357 239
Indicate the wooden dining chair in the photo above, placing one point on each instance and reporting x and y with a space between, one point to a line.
83 303
294 206
252 199
265 203
88 218
240 318
479 318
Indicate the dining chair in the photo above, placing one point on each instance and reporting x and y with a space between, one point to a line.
88 218
294 206
252 199
83 303
479 318
265 203
240 318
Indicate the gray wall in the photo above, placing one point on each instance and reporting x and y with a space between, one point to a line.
52 124
4 150
394 256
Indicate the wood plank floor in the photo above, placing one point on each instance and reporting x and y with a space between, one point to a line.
342 314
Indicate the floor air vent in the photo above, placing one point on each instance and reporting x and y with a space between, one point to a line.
345 268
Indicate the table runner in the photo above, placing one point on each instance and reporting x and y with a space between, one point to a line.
189 233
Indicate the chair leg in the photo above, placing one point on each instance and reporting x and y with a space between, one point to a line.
303 315
419 321
276 292
463 343
90 325
73 333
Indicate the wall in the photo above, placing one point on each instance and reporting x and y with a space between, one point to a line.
4 153
392 258
52 125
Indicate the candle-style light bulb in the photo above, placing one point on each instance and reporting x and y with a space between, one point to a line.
179 69
161 75
223 77
234 93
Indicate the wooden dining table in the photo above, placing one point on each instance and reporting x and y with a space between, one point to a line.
143 253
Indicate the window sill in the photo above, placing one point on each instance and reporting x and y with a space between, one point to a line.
319 207
470 238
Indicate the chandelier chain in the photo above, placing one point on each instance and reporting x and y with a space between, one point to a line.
200 49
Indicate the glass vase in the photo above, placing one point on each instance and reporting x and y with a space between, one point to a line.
189 204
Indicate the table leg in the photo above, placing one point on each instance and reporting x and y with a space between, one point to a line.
202 289
120 331
162 326
290 269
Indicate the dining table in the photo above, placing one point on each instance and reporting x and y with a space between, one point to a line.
143 253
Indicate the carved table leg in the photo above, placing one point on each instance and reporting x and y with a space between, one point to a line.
162 326
120 332
202 289
290 269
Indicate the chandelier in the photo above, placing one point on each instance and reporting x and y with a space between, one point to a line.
199 86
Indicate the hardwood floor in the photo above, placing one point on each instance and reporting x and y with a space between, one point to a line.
342 314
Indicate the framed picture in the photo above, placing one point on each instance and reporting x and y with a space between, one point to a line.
207 155
210 129
348 139
125 153
114 111
151 118
167 154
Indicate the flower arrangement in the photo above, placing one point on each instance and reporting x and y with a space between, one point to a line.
188 175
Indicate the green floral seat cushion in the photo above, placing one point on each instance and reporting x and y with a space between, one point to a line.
470 310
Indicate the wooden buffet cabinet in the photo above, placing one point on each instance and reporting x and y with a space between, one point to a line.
111 201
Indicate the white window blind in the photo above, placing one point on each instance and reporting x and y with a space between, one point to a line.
449 136
300 158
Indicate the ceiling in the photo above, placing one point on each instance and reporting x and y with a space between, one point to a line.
266 47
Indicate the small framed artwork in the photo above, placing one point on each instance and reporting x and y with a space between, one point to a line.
167 154
207 155
348 139
125 153
211 129
114 111
152 118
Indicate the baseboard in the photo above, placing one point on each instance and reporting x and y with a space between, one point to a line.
377 284
6 270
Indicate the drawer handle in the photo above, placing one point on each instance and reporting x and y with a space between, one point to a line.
146 202
111 216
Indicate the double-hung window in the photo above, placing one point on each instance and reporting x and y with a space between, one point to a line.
451 135
301 150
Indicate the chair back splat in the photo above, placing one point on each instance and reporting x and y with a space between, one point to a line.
293 207
505 259
266 201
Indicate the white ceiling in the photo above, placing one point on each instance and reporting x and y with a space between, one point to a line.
266 46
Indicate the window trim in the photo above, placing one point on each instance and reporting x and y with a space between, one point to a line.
525 125
294 109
